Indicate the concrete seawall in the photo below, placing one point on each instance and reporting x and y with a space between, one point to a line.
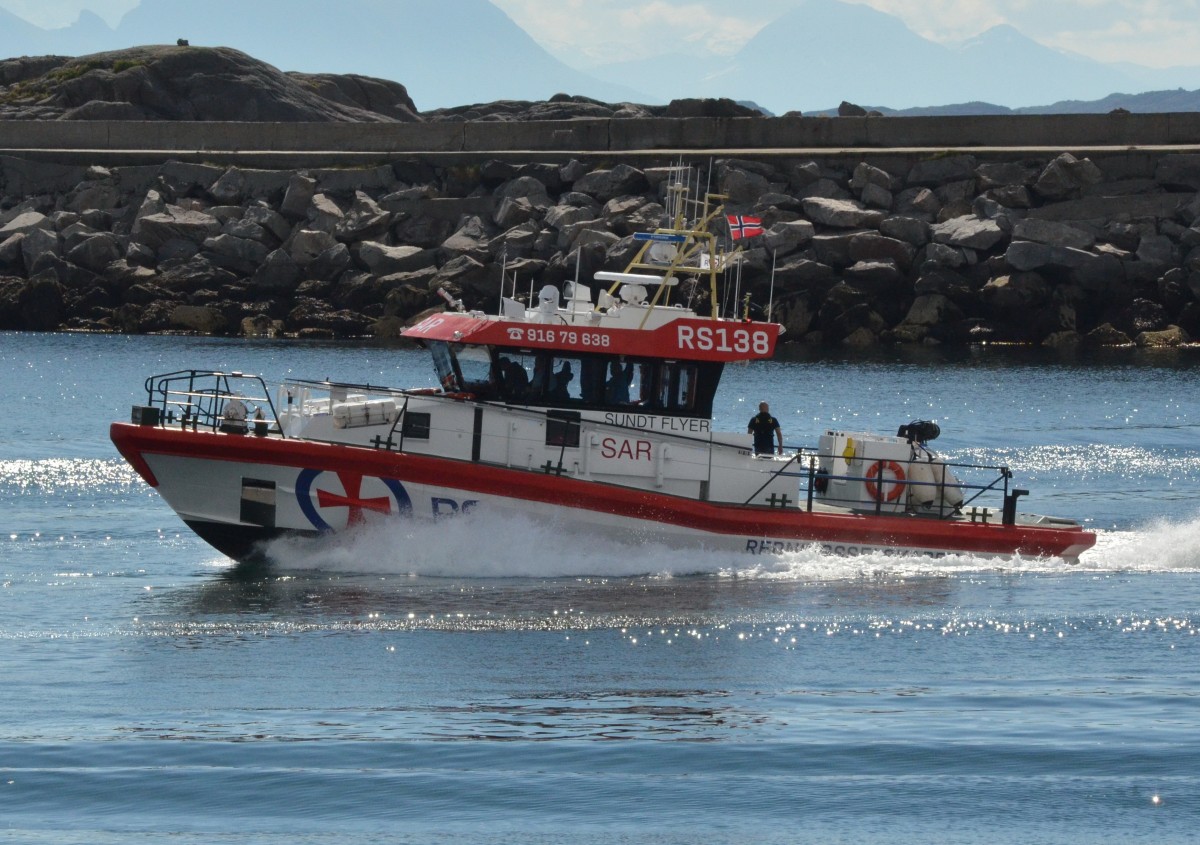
1063 132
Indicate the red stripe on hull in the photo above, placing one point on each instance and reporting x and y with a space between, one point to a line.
726 519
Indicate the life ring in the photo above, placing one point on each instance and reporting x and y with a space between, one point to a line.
876 472
460 397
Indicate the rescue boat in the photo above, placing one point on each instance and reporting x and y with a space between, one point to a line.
588 409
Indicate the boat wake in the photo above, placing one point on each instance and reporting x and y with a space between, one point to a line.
1159 546
486 546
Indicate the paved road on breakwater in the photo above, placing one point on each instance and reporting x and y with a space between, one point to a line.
292 159
646 141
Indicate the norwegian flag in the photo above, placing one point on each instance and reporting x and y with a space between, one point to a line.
742 226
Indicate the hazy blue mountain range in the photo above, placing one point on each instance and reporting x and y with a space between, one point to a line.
825 51
468 51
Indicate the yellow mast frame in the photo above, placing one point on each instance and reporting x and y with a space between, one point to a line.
698 241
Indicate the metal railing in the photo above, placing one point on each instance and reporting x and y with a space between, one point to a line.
198 399
815 483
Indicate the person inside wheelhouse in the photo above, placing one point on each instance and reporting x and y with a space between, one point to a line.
553 379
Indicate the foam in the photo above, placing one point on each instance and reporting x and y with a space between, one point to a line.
487 546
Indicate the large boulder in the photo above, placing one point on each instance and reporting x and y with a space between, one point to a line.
95 252
870 246
969 231
841 214
24 223
364 220
306 244
201 319
36 243
1066 177
241 255
173 222
786 237
606 184
932 309
471 239
383 260
279 273
1052 233
298 196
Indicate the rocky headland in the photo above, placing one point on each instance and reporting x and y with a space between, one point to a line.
222 84
1052 249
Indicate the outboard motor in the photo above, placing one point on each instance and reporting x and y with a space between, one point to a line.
920 431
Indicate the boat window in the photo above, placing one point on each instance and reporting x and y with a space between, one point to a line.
416 425
443 363
475 366
676 386
623 383
545 378
564 383
562 428
515 375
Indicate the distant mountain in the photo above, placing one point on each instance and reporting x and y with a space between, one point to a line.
1003 66
1150 102
826 51
445 54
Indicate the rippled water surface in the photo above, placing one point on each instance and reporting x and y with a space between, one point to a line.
500 682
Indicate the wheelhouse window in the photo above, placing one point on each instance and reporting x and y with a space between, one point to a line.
476 370
444 364
542 378
677 386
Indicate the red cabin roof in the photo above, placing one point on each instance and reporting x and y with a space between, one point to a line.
688 338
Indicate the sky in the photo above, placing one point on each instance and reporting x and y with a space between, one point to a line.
586 33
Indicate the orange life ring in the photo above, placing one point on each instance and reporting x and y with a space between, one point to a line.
876 471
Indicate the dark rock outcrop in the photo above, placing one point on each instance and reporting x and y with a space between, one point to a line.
189 83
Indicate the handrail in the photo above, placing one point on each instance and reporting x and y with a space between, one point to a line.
200 405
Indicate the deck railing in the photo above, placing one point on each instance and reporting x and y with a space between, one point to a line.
199 400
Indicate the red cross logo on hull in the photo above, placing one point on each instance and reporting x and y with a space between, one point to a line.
324 506
353 501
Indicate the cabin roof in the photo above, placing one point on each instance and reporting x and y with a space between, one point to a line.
687 337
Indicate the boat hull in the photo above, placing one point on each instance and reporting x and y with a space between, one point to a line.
238 491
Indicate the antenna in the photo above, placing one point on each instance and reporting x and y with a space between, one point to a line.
503 276
771 298
737 291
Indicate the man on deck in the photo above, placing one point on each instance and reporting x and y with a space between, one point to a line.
762 425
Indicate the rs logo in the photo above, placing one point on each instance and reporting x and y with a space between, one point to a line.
342 500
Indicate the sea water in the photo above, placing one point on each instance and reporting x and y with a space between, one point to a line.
486 681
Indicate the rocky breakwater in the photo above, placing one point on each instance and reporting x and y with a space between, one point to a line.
950 249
